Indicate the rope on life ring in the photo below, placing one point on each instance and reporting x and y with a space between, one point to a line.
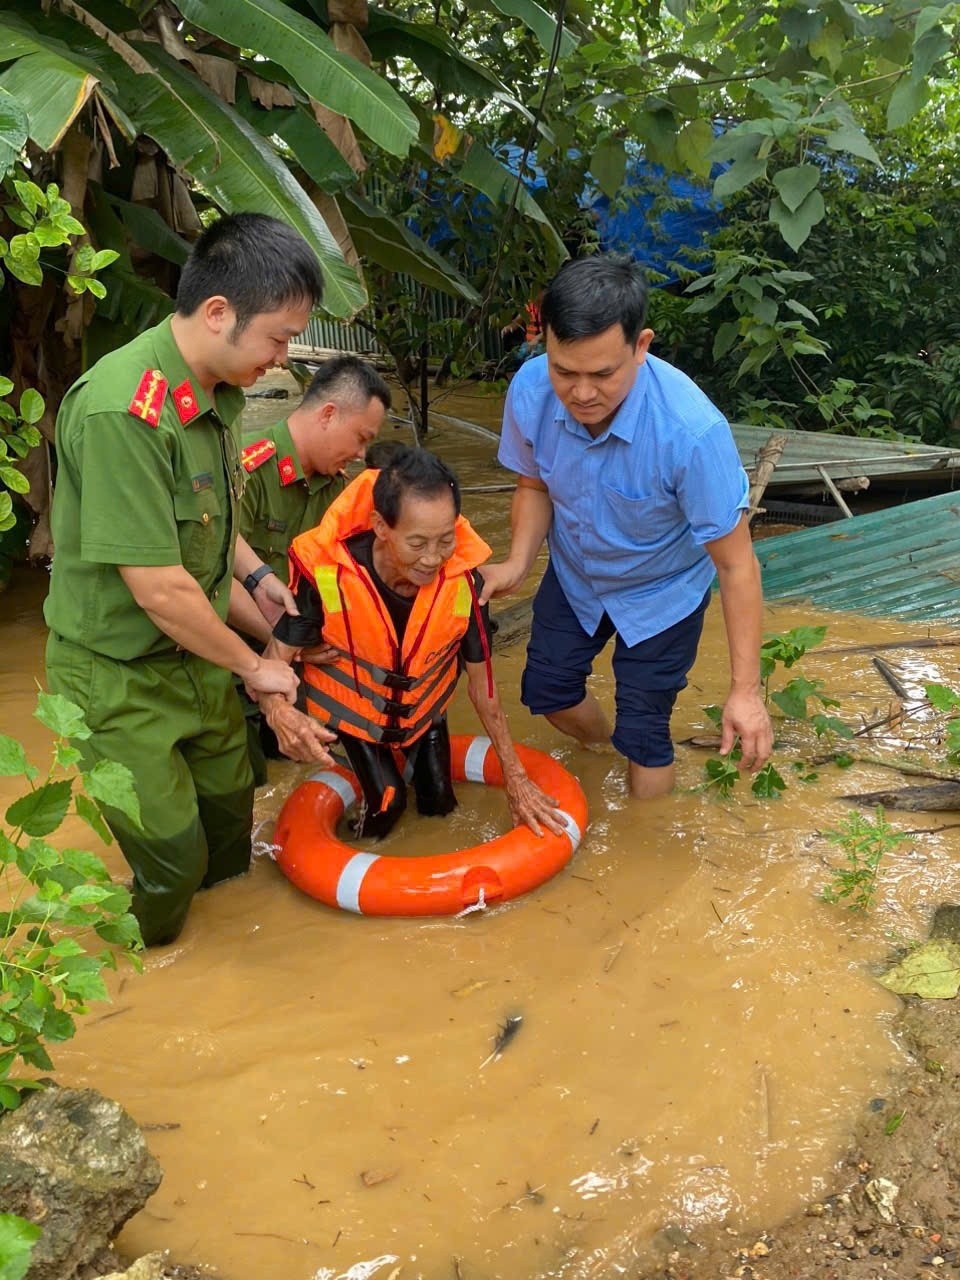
316 861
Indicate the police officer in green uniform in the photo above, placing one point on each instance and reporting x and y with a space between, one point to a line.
293 474
145 520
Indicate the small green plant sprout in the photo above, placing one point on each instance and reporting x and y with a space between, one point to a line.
864 842
786 648
942 698
65 920
793 698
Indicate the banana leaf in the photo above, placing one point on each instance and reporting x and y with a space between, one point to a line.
431 49
483 171
222 153
541 23
14 131
334 79
388 243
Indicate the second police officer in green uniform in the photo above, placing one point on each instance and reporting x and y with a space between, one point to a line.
145 519
293 474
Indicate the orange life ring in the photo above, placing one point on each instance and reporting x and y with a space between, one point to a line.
311 856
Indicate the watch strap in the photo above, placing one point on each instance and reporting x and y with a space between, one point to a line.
253 580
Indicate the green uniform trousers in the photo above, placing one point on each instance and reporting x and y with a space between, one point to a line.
175 721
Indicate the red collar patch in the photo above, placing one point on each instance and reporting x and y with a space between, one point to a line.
147 402
288 472
255 455
185 400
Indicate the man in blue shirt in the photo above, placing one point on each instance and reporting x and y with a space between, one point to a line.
632 475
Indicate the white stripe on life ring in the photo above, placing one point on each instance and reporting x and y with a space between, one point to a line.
474 759
573 831
351 880
338 784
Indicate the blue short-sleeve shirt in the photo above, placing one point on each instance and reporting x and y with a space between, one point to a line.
634 508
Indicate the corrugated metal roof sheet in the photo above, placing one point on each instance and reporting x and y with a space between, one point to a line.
900 562
843 457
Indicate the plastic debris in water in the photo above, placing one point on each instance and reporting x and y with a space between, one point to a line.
503 1037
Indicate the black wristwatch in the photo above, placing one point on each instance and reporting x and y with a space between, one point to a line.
253 580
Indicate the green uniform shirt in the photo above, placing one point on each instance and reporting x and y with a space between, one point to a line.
148 474
279 502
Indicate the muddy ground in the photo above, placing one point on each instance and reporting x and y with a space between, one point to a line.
844 1236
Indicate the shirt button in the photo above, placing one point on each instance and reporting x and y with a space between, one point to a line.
205 517
216 594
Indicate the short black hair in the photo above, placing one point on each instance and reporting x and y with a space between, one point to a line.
589 295
412 471
382 452
347 379
256 262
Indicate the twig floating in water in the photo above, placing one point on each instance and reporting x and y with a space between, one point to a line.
305 1182
114 1013
716 912
166 1127
503 1037
593 1127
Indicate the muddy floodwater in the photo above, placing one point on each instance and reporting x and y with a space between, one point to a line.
699 1030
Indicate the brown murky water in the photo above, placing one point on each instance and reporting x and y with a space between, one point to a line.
699 1029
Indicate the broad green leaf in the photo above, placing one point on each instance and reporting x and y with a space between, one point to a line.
906 100
927 52
927 19
31 406
792 700
484 172
541 23
14 480
231 161
740 174
86 895
66 756
13 759
58 1025
6 386
389 243
796 183
14 130
92 816
768 784
828 44
693 145
334 79
66 947
51 90
725 337
854 141
111 784
86 986
430 48
608 164
124 931
42 810
61 716
942 697
799 309
150 231
796 225
86 864
314 151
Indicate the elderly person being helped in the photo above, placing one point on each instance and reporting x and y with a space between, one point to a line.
388 580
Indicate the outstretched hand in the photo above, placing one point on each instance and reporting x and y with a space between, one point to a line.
499 580
300 737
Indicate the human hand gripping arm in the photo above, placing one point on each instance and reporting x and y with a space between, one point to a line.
528 804
741 597
531 514
271 596
175 603
300 737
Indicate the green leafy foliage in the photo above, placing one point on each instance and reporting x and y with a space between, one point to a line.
17 1238
66 920
864 841
942 698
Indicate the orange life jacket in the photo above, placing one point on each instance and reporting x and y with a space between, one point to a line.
379 688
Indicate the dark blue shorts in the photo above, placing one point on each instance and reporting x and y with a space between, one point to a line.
649 675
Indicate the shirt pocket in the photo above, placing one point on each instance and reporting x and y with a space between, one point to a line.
200 528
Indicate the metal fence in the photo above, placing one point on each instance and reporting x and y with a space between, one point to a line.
332 334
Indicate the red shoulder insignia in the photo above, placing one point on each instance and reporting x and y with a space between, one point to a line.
288 472
185 400
147 403
255 455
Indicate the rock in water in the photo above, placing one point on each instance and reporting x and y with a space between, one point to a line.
75 1163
